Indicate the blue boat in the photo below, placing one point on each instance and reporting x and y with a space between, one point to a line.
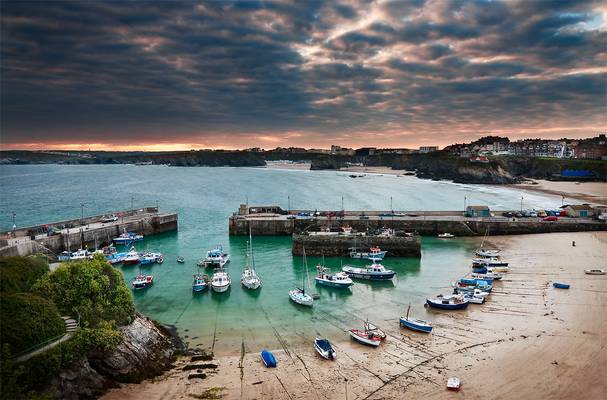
339 280
415 324
200 283
476 281
374 272
479 270
127 237
561 285
268 358
452 302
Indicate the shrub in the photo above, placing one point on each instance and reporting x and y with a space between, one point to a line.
92 287
18 274
27 320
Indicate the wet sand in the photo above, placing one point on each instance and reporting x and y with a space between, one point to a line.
592 192
528 340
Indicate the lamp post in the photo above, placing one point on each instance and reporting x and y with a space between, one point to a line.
288 204
14 226
391 208
132 199
157 209
521 203
342 203
465 198
81 213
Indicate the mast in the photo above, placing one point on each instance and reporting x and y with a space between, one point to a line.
251 248
408 308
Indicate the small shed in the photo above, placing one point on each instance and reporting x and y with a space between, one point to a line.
579 210
478 211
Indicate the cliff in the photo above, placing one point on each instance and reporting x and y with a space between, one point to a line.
147 350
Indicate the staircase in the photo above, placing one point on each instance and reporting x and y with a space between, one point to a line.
71 326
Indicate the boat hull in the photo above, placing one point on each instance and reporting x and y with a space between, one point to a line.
326 353
268 359
364 339
371 276
333 284
199 288
561 285
415 326
220 288
449 306
251 284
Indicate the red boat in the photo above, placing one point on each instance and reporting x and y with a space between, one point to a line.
365 337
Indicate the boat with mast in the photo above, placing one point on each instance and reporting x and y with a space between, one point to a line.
249 278
324 277
299 295
415 324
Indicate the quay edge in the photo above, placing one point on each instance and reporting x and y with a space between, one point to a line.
339 245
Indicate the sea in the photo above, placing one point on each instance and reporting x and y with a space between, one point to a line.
205 197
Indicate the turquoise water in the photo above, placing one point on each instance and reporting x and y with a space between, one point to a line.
205 197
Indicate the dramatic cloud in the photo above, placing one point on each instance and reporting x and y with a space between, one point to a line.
307 73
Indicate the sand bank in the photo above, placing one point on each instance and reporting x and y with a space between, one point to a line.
592 192
528 341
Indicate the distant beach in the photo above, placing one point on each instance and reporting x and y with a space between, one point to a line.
560 332
592 192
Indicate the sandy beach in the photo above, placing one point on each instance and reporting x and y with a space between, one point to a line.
528 340
592 192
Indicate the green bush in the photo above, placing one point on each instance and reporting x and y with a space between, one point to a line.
27 319
92 287
18 274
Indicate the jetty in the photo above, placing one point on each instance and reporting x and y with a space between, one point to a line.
273 221
90 231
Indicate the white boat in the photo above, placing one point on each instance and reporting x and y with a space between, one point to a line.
488 262
472 299
498 269
445 235
365 337
142 281
373 253
249 278
338 280
81 254
220 281
453 383
594 272
127 237
132 257
299 295
489 275
487 252
324 348
215 258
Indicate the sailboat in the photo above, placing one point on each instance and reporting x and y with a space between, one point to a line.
482 252
299 295
414 323
249 279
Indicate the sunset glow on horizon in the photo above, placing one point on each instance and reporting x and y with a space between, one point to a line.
232 75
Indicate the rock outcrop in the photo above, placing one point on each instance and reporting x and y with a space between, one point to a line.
147 350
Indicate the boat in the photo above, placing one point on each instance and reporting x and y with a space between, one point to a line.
200 283
473 291
445 235
338 280
220 281
249 278
127 237
472 299
324 348
373 253
453 383
594 272
487 252
498 269
132 257
142 281
476 282
150 258
561 285
215 258
81 254
299 295
414 323
488 275
452 302
268 358
180 260
374 272
488 262
374 330
365 337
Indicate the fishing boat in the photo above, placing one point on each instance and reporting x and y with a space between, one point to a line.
127 237
488 262
445 235
339 280
472 299
365 337
373 253
373 272
488 275
414 323
374 330
299 295
561 285
453 383
476 282
249 278
142 281
268 358
452 302
487 252
498 269
216 258
81 254
221 281
324 348
150 258
200 283
594 272
180 260
132 257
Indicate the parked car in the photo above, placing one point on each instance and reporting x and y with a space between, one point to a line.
364 217
550 218
291 216
508 214
303 214
108 218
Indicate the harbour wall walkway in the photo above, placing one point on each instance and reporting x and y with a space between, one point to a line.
70 235
340 245
428 223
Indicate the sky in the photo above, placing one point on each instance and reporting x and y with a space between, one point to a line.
151 75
